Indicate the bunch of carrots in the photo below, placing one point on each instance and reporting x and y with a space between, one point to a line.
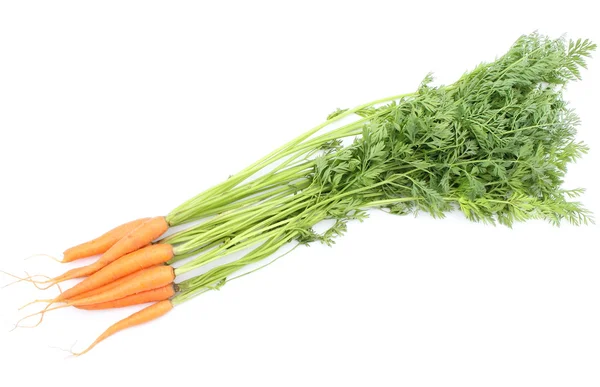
494 145
130 271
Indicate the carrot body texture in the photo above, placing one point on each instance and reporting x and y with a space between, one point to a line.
147 279
136 283
128 264
141 236
102 289
101 244
154 295
145 315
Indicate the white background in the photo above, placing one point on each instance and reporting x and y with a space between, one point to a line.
115 110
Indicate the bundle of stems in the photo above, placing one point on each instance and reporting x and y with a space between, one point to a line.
494 145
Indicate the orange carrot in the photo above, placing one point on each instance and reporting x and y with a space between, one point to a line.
148 279
93 292
145 315
139 237
106 287
101 244
110 292
128 264
154 295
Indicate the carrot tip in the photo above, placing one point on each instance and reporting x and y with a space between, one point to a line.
48 280
43 255
70 350
34 302
42 313
27 279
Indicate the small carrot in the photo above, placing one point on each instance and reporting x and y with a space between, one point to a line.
106 287
154 295
147 279
101 244
139 237
90 293
145 315
133 262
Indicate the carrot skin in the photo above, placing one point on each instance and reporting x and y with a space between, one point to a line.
111 289
148 279
102 289
78 272
154 295
140 237
137 238
146 257
101 244
145 315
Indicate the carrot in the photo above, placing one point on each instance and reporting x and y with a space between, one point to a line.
111 287
128 264
145 315
106 287
159 294
147 279
101 244
139 237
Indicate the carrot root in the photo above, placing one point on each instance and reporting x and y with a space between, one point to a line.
35 302
65 350
27 279
145 315
43 255
48 278
41 313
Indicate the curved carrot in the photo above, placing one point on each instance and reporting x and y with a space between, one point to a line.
106 287
147 279
137 238
90 293
154 295
140 237
133 262
101 244
147 314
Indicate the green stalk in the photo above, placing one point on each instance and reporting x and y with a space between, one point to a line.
270 222
426 154
232 211
239 220
255 234
263 183
177 216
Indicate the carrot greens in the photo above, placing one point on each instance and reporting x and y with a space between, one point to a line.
494 145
